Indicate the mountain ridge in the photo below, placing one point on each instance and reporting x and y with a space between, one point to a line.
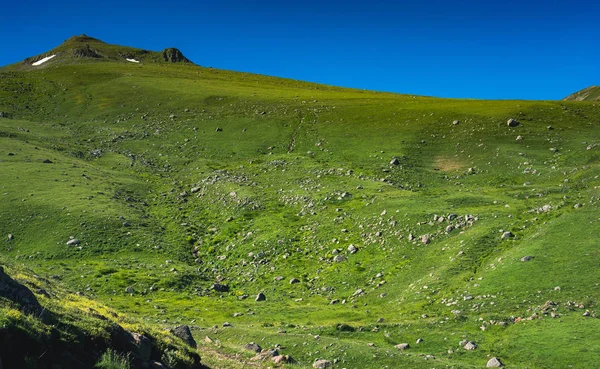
84 48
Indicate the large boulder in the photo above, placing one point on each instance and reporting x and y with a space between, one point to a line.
183 332
19 294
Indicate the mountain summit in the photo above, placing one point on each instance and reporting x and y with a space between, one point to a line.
84 48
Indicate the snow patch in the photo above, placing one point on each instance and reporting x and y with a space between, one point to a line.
132 60
42 61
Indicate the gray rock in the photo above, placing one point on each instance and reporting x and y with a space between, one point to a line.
73 242
129 289
456 122
183 332
321 364
470 346
512 122
294 281
494 363
425 239
253 347
10 237
261 297
352 249
506 235
402 346
339 258
395 161
282 359
527 258
220 287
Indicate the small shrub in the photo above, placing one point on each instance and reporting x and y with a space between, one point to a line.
113 360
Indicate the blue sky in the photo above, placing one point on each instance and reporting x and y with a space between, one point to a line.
472 49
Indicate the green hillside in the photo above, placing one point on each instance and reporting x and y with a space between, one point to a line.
365 219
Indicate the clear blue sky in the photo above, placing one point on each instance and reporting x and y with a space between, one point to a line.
477 49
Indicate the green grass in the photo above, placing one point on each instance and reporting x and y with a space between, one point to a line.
165 203
113 360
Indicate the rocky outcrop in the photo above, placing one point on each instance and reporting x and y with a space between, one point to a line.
19 294
173 55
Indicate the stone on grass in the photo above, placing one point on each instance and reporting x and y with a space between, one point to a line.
282 359
253 347
321 364
527 258
506 235
339 258
494 363
402 346
294 281
220 287
183 332
352 249
512 122
470 346
73 242
261 297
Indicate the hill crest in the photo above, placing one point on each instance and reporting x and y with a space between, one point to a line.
84 48
591 93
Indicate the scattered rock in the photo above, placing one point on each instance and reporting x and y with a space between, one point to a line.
402 346
470 346
129 289
352 249
419 340
253 347
219 129
220 287
73 242
577 206
321 364
506 235
527 258
512 122
261 297
455 122
183 332
266 354
282 359
339 258
226 324
494 363
294 281
425 239
10 237
47 161
519 138
395 161
208 340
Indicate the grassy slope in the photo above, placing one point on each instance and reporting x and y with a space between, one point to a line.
268 202
591 93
